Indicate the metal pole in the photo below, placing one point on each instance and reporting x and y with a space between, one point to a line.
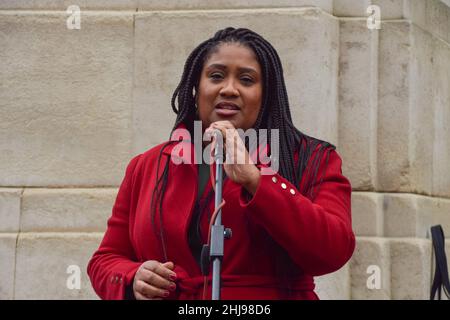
217 232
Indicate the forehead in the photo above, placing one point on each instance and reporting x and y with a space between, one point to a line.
231 54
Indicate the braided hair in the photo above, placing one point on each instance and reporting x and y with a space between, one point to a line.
274 113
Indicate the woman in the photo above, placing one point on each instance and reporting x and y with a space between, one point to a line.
288 226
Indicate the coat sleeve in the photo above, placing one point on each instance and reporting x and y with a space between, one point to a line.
316 234
113 266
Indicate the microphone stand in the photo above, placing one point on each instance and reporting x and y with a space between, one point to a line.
218 232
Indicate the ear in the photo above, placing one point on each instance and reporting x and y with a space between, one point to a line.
195 94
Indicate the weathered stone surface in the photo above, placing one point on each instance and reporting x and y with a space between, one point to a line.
414 85
65 99
367 214
358 76
415 11
326 5
409 215
64 4
410 268
393 111
350 8
7 265
42 265
441 101
400 215
431 15
436 19
70 210
309 56
389 9
370 269
334 286
421 112
393 107
10 209
432 211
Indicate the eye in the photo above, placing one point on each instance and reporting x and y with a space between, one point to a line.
247 80
216 76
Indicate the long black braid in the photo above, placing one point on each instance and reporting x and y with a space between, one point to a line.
274 114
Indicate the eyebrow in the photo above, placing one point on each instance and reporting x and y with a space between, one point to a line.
221 66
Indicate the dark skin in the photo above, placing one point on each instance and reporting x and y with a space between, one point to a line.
231 74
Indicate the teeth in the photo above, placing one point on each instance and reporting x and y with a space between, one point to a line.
228 107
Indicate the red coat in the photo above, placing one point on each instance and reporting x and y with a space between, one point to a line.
279 239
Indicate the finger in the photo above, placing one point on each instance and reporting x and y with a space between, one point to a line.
139 296
165 272
169 264
223 123
156 280
150 265
150 291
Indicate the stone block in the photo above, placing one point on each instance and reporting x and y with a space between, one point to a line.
62 5
413 91
441 102
393 162
401 215
309 56
326 5
370 269
10 209
408 215
7 265
66 210
389 9
44 262
410 268
358 77
65 99
436 19
350 8
432 16
415 11
334 286
367 214
432 211
421 112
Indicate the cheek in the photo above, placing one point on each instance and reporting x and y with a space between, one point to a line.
255 100
206 92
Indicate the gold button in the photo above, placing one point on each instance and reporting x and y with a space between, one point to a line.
283 185
292 191
274 179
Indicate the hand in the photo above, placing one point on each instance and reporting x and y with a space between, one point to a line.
238 166
154 280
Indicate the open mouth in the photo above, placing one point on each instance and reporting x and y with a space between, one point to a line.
227 109
227 105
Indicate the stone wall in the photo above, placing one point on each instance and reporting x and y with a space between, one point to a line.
76 105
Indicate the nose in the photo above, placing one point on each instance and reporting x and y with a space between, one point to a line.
229 89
